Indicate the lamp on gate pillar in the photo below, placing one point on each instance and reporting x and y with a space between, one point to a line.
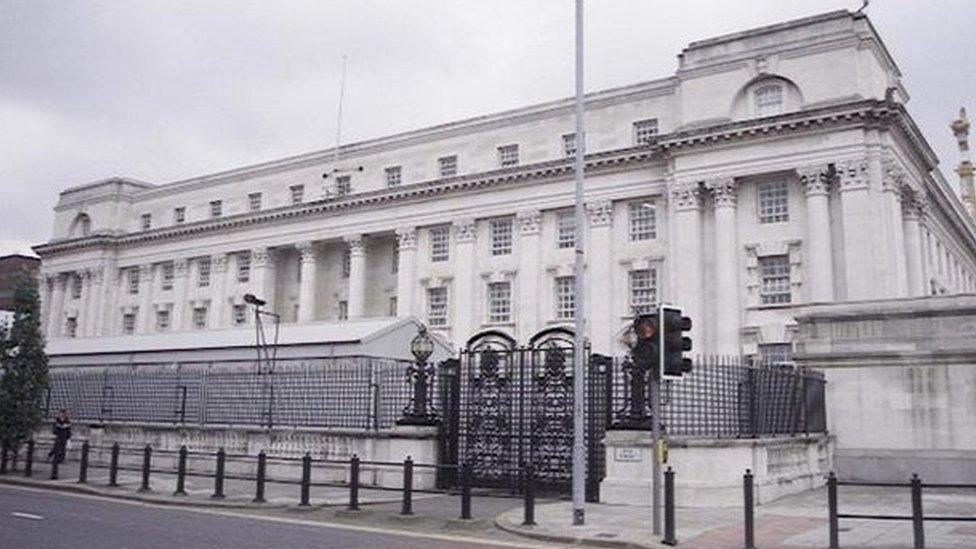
418 413
644 358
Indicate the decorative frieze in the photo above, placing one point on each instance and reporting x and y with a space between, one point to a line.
600 213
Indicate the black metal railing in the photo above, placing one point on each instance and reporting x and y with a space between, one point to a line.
724 398
355 392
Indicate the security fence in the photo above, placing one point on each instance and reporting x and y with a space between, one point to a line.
355 392
723 398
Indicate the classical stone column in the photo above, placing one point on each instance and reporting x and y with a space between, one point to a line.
146 287
526 309
91 281
727 310
858 222
406 271
109 313
180 275
357 275
819 265
465 236
914 245
893 185
57 306
306 289
686 256
263 276
46 285
218 281
600 325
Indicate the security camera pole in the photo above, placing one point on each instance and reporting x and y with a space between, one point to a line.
579 293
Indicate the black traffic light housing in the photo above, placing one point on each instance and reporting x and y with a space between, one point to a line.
675 343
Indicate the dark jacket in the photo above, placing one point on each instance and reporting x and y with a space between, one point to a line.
62 429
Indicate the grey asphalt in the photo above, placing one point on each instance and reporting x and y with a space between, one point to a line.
72 521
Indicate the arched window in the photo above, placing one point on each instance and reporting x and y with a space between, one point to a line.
80 227
769 99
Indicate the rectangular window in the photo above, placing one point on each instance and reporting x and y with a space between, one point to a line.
297 193
254 201
447 166
395 259
343 185
440 243
393 176
501 236
508 155
346 262
437 306
199 318
203 272
776 354
769 100
133 275
179 215
500 302
71 327
162 321
645 131
243 267
129 323
643 291
643 221
569 145
166 282
565 299
566 229
343 310
240 314
774 274
774 202
393 306
76 286
216 208
146 222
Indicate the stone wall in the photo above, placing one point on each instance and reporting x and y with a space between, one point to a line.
901 385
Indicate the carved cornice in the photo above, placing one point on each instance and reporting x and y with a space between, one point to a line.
852 175
686 196
407 238
465 230
724 191
814 180
529 221
600 213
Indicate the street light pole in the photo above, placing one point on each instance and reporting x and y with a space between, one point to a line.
579 292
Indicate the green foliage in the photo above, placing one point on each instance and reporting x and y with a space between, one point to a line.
23 368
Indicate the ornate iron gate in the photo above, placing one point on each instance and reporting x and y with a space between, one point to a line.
509 406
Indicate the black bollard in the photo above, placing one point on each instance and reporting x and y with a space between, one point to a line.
669 537
55 465
83 466
29 459
750 542
146 463
407 507
113 466
259 483
354 483
832 511
219 475
465 491
528 515
918 518
181 473
3 459
306 478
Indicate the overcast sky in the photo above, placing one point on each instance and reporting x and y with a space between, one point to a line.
162 91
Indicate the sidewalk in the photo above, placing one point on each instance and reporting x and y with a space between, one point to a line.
794 521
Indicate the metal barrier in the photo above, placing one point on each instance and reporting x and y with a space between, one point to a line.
917 517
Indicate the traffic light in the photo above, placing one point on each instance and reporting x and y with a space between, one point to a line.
675 343
645 349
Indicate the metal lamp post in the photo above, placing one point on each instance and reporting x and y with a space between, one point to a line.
418 413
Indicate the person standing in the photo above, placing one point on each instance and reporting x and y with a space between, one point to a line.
62 432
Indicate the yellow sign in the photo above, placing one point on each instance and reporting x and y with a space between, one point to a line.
662 451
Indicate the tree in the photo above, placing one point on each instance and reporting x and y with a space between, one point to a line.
23 368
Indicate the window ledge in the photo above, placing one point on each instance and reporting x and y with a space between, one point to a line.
772 306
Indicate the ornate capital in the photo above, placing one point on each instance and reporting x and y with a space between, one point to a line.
529 221
686 196
86 274
913 204
218 263
723 191
356 244
600 213
894 177
307 251
814 180
261 257
407 238
145 273
465 230
853 174
98 275
180 267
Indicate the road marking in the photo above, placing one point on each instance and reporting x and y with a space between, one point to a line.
27 516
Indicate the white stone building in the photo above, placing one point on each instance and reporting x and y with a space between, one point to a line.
706 188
